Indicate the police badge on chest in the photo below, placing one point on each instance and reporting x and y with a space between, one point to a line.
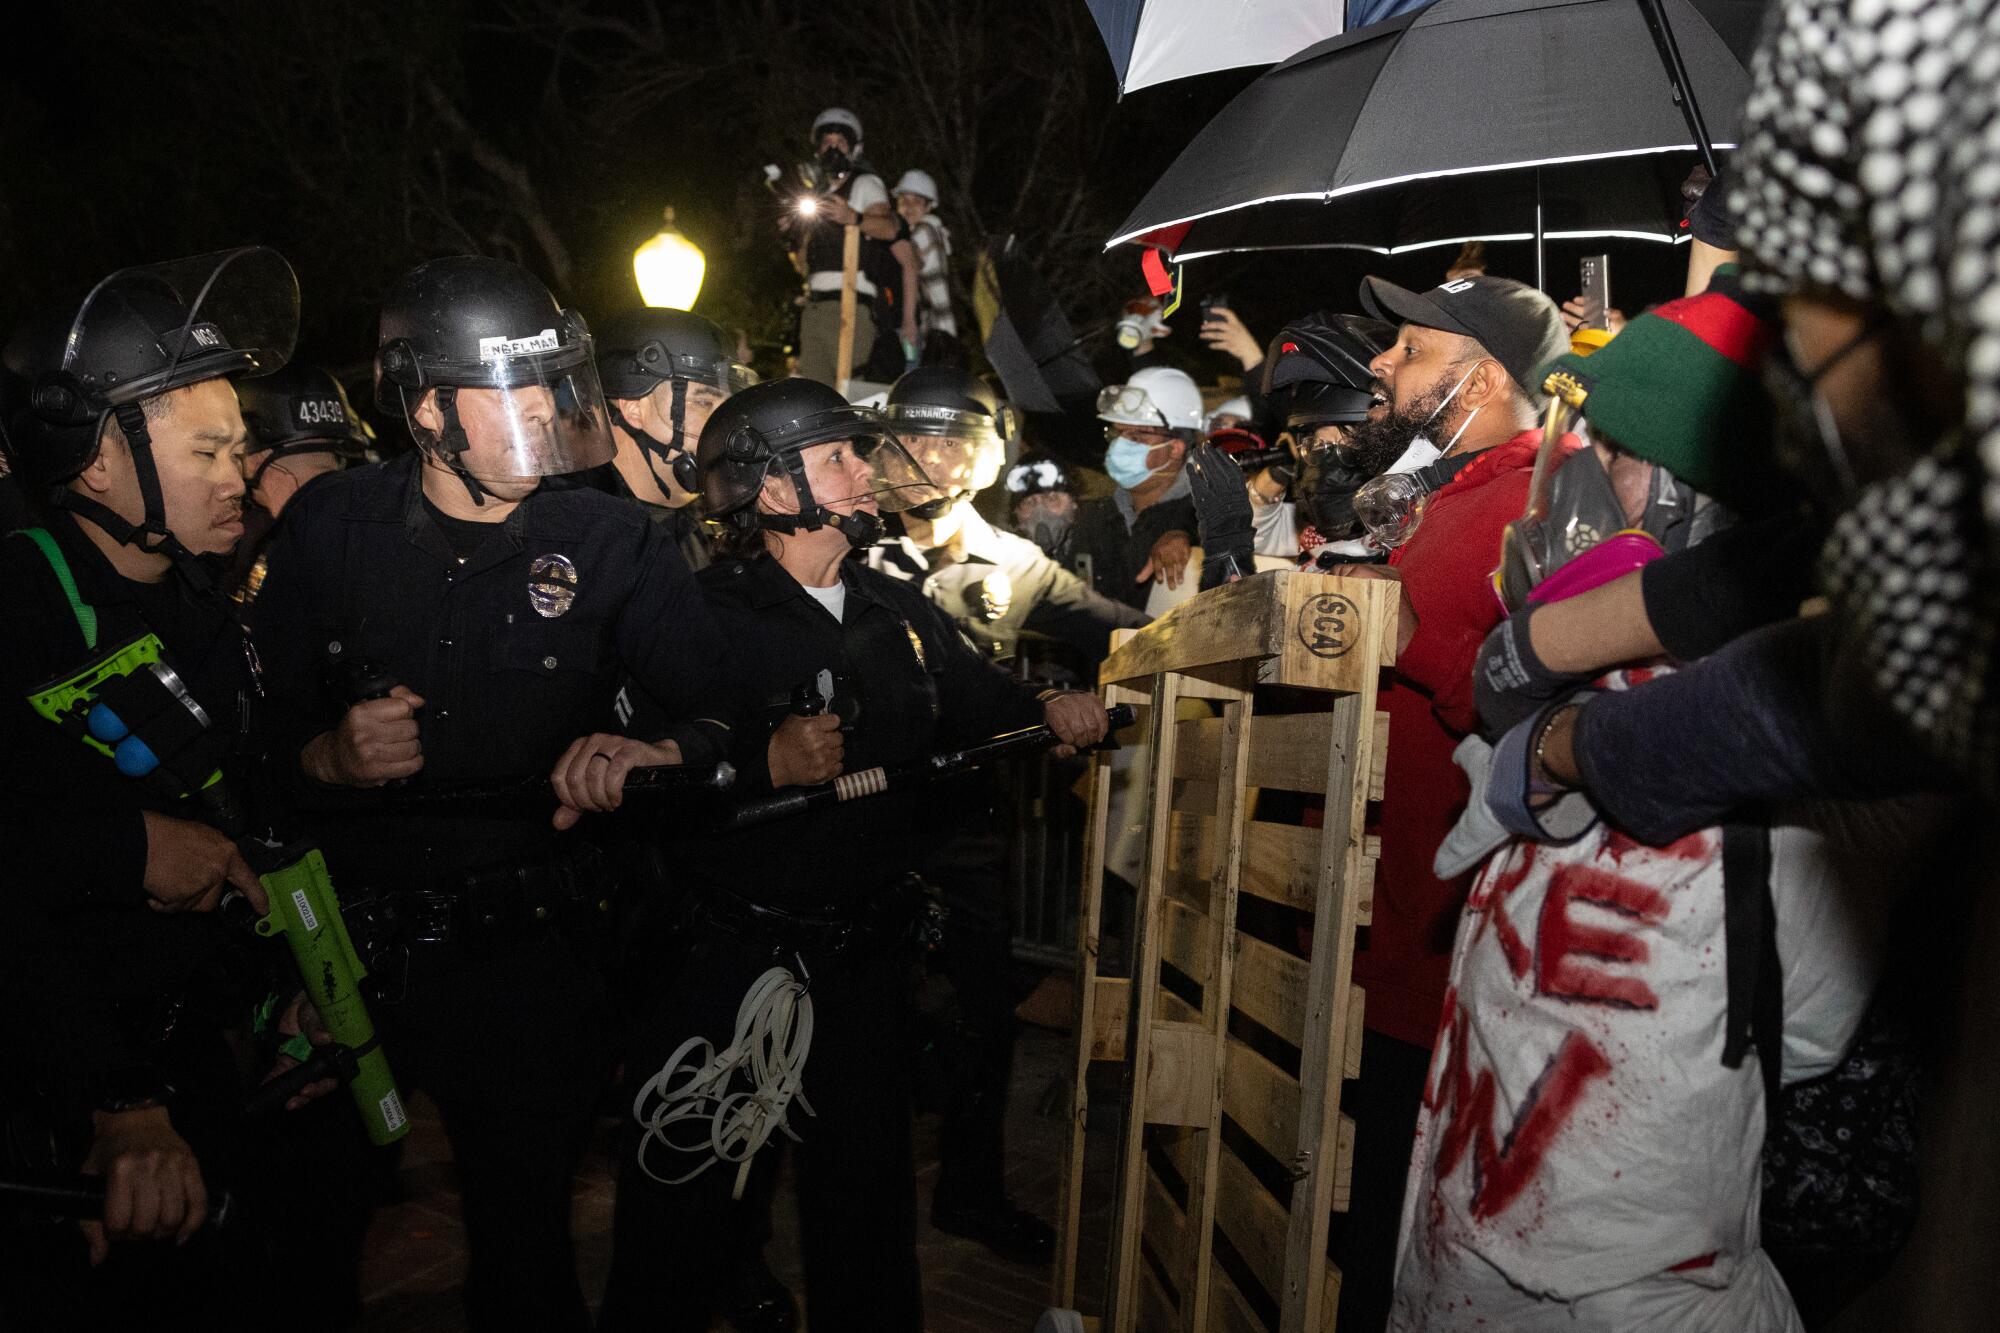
552 585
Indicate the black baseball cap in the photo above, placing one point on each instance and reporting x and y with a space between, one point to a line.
1518 326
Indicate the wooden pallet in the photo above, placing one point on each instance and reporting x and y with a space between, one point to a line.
1234 1046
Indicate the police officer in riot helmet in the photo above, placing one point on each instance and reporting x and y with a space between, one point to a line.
444 618
663 372
1009 599
302 427
122 983
1317 366
999 587
849 669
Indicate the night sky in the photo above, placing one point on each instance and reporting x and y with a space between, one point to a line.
362 138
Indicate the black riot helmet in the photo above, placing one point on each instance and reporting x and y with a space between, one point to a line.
301 409
1323 358
142 332
648 350
472 324
766 429
956 428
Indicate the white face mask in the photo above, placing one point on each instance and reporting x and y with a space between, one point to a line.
1422 438
1421 453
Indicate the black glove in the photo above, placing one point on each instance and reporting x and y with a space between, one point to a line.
1509 682
1222 511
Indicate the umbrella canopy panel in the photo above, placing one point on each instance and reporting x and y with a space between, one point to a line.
1152 41
1629 198
1462 87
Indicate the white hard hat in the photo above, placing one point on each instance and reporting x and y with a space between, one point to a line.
1156 396
838 118
918 183
1239 406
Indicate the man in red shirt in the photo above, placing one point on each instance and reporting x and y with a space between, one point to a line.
1460 374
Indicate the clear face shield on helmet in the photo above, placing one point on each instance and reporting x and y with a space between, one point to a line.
530 407
147 331
892 478
959 452
154 327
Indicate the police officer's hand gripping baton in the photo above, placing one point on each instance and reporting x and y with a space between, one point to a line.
914 772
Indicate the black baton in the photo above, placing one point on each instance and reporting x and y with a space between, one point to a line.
894 777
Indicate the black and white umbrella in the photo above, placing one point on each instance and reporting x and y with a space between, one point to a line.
1346 141
1152 41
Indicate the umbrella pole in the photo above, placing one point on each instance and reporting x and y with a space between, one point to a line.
1677 75
1541 272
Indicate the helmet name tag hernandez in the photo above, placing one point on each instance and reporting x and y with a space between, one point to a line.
552 585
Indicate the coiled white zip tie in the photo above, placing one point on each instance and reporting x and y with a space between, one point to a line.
773 1036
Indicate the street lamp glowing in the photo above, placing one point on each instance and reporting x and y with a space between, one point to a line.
669 268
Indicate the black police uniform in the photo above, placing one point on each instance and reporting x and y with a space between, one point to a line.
1112 543
820 893
104 999
517 639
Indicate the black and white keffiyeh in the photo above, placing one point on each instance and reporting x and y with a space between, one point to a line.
1871 165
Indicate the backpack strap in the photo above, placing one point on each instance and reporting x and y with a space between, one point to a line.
85 613
1755 1017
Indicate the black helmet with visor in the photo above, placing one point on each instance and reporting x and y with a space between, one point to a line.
143 332
469 323
765 430
651 351
956 428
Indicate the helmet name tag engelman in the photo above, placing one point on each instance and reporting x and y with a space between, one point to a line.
499 349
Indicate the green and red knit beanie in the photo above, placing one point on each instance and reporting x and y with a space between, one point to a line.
1679 386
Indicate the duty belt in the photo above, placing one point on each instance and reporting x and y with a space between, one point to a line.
500 903
905 910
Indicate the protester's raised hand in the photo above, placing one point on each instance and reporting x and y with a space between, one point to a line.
1168 559
1576 310
1222 330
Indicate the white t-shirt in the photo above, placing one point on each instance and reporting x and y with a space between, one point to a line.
833 598
1581 1141
866 192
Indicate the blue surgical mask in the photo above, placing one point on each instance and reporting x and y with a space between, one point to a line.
1125 461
